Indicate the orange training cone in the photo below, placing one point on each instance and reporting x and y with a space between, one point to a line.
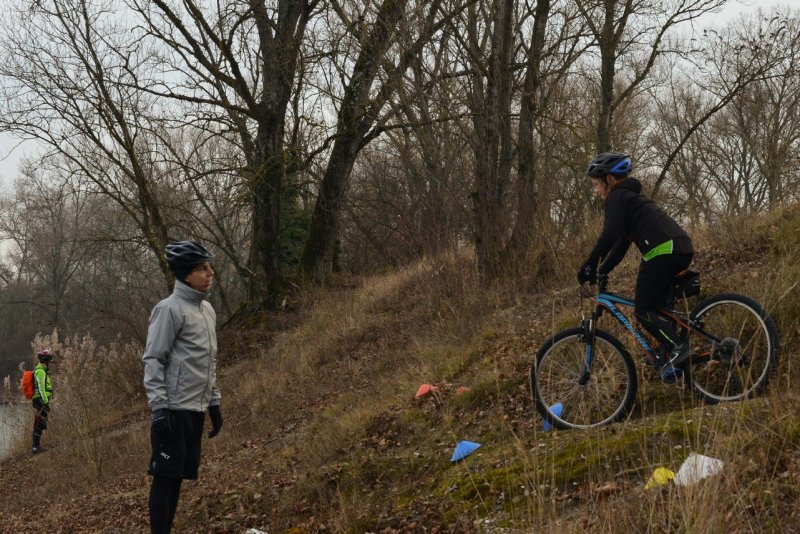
425 389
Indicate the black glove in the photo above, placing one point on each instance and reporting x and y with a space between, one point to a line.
588 273
159 421
215 413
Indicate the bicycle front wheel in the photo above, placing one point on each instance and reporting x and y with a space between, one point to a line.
734 359
570 394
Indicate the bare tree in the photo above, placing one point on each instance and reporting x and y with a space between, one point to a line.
731 64
487 51
47 221
64 75
527 203
767 111
513 71
637 29
235 64
375 77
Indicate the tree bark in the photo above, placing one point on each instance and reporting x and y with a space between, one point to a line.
493 154
266 175
357 115
527 208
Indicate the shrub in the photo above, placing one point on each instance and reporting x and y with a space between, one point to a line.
93 387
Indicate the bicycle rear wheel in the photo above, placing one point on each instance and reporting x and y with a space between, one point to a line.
568 396
735 365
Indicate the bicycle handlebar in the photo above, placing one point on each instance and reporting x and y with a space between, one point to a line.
602 284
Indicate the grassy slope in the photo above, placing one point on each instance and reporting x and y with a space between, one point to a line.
322 432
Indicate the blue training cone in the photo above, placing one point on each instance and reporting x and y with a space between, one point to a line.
556 410
464 449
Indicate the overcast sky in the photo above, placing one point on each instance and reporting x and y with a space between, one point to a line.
11 151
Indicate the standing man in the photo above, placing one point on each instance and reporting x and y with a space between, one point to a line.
42 394
180 376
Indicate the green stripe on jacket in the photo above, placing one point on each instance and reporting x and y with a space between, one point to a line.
659 250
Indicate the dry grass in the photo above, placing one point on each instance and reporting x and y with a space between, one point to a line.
96 390
355 355
563 489
322 429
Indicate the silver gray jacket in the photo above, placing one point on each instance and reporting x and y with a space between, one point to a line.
180 359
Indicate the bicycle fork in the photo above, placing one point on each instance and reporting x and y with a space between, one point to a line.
588 337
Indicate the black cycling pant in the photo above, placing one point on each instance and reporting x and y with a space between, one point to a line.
164 494
654 290
41 411
176 446
176 455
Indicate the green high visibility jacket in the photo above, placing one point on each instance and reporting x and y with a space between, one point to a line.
42 388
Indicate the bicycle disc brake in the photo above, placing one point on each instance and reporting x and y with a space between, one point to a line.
728 351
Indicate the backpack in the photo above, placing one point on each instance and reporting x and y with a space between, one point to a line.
26 385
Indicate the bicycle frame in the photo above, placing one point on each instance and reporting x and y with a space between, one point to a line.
733 345
605 300
608 301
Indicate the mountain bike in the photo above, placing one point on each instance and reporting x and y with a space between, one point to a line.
585 377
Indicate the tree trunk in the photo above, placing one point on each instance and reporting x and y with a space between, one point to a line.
525 225
608 59
266 173
357 115
317 259
493 156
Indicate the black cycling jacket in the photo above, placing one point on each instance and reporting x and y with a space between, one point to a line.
631 217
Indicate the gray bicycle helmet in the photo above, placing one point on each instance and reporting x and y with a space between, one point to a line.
183 256
610 163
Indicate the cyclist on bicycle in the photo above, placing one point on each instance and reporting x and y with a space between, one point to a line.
631 217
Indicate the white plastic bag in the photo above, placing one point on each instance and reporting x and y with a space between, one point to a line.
696 468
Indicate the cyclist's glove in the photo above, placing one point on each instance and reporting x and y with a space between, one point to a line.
215 413
588 273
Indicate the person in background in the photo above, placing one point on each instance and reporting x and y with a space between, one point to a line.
42 395
180 378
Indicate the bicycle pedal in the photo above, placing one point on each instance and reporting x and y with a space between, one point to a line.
670 374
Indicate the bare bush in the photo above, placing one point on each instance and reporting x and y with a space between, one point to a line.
93 386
